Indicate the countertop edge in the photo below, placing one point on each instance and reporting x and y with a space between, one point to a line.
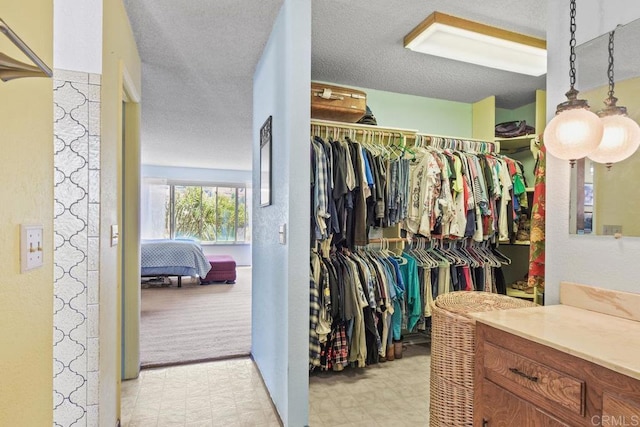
491 319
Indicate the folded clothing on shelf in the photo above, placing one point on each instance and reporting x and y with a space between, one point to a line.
513 129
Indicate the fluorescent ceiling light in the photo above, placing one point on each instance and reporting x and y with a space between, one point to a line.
462 40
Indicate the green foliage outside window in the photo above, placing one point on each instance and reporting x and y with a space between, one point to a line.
208 213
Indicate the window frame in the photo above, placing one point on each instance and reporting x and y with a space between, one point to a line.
215 185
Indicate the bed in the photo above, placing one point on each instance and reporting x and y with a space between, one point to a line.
173 258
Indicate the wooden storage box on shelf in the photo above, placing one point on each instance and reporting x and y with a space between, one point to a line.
341 104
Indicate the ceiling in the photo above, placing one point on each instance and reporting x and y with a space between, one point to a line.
198 59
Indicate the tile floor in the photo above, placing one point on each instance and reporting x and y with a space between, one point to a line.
221 393
231 393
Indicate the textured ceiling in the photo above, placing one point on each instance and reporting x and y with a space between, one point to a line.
199 57
361 43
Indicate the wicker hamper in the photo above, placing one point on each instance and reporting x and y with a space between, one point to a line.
453 352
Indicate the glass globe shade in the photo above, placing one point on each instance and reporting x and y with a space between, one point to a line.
573 134
620 139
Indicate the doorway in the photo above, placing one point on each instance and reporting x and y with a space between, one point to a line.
128 232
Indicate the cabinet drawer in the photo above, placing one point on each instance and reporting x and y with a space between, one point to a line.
617 411
555 386
504 409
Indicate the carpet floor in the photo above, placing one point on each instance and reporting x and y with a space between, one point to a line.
196 322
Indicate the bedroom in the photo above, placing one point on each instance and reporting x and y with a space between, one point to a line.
195 262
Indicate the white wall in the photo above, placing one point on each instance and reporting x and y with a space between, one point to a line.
241 253
77 30
214 176
280 307
596 260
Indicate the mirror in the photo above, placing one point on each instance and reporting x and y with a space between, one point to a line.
604 202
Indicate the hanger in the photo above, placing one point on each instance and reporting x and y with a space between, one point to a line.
419 252
435 251
502 257
452 250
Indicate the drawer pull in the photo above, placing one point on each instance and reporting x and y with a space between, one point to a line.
522 374
485 423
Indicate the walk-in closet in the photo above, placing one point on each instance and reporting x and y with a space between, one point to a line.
399 217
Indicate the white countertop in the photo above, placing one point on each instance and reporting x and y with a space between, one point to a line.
606 340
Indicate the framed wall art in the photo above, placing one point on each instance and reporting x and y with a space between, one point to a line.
265 163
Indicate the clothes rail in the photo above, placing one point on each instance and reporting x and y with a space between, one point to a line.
358 127
373 135
458 143
389 240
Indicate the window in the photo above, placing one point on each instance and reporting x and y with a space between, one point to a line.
210 214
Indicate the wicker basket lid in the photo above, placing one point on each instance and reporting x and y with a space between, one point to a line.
465 302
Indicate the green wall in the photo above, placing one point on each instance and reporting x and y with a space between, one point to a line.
526 112
426 115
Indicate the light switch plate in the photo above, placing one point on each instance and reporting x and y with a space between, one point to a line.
31 247
283 234
114 235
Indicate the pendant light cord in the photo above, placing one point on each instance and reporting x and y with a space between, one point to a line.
610 71
572 45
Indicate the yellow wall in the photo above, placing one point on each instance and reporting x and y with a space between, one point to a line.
26 191
131 239
484 119
119 51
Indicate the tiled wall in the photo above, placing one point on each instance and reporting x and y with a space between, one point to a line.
76 249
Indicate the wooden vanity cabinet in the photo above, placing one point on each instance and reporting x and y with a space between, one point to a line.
522 383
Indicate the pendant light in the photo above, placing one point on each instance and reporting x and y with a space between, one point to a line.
621 136
575 131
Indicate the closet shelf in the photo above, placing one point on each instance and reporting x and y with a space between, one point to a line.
516 293
512 145
528 137
516 243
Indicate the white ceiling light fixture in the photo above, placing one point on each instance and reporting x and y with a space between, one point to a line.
621 136
468 41
575 131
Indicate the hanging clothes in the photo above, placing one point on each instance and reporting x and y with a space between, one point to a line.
353 189
361 300
537 236
456 194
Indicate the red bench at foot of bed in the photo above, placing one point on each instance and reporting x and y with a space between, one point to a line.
223 269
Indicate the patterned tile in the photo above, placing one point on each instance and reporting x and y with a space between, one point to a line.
94 92
93 354
94 118
95 79
93 287
93 397
70 76
76 286
190 401
93 320
94 152
93 416
93 253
